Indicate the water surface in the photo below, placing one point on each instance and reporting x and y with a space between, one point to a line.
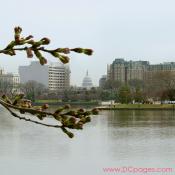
112 139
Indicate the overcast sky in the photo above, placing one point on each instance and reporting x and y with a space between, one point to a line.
133 29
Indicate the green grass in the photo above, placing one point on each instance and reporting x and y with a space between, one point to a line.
141 106
47 101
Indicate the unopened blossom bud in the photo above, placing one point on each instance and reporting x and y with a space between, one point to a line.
59 110
45 41
79 125
70 134
29 52
29 37
57 117
78 50
45 106
55 54
95 111
17 31
38 54
40 116
63 50
88 119
72 113
72 120
6 99
81 110
67 106
64 59
43 61
88 51
32 42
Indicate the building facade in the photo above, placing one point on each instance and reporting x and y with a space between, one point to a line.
102 81
123 71
12 79
55 76
59 77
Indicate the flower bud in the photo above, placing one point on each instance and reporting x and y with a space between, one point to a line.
57 117
17 31
72 120
43 61
45 41
29 53
79 125
64 59
6 99
95 111
78 50
88 119
59 110
67 106
70 134
72 113
81 110
40 116
45 106
88 51
63 50
29 37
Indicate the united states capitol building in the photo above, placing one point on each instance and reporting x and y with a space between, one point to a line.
87 82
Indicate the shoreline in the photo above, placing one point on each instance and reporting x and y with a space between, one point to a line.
138 107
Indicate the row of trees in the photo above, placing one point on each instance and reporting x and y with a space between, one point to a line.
161 86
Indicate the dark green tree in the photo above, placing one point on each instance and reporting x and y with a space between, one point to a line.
124 95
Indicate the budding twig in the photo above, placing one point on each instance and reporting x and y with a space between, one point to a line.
68 119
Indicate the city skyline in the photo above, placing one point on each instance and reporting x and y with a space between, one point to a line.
129 29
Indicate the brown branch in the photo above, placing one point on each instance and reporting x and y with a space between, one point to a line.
28 110
29 120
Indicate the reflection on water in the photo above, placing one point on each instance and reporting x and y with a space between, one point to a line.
112 139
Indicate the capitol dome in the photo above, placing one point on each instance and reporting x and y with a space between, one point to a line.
87 82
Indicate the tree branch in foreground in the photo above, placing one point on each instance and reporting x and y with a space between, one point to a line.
67 118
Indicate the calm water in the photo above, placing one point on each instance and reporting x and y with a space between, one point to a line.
112 139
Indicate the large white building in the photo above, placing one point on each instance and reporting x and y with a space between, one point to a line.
87 82
59 76
55 76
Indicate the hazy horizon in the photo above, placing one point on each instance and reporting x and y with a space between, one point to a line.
133 30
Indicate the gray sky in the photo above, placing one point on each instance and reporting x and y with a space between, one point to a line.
133 29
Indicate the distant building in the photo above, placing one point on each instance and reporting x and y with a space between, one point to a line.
59 77
55 76
164 67
102 81
123 71
12 79
87 82
36 72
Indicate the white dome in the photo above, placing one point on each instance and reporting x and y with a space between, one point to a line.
87 82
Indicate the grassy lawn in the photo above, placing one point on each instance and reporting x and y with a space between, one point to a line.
47 101
142 106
